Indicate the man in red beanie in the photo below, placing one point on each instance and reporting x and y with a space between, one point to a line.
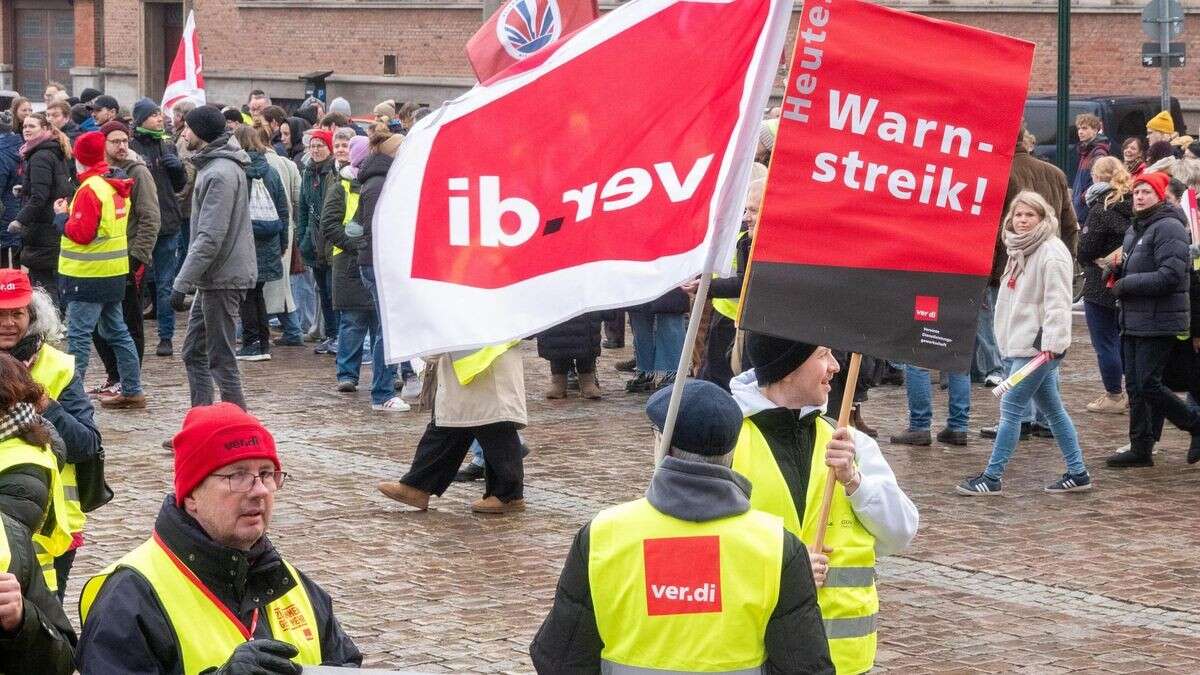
93 264
320 174
208 590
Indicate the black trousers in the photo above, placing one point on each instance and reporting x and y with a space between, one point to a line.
442 450
131 309
256 328
62 570
10 257
563 366
614 328
718 351
48 281
1149 397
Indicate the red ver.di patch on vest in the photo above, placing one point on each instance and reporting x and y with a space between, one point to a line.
683 575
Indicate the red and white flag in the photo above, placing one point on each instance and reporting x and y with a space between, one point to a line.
186 80
521 28
597 174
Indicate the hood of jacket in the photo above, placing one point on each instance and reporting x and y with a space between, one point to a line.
258 167
374 165
752 401
224 147
117 178
10 141
131 160
697 492
1160 211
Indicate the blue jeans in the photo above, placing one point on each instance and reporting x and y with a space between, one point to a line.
356 323
1042 387
304 292
657 341
987 355
1105 329
920 399
290 326
85 317
367 272
166 264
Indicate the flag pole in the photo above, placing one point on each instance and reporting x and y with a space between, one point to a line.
818 543
685 359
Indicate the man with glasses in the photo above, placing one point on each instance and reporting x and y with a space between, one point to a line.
208 590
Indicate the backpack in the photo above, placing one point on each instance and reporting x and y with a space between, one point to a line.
262 207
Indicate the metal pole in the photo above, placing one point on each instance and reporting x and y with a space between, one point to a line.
1064 86
1164 48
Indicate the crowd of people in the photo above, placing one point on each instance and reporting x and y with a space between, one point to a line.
255 220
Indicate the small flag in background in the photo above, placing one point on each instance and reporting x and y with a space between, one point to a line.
186 80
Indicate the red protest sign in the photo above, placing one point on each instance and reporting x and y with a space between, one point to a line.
887 183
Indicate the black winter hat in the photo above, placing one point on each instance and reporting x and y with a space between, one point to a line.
206 122
775 358
88 94
709 419
105 101
142 109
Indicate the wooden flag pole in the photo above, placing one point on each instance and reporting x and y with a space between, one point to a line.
818 543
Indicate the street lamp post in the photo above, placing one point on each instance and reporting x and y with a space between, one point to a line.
1064 84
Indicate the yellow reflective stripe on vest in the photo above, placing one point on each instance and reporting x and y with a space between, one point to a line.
848 606
108 254
351 209
206 635
663 587
610 668
53 534
54 370
5 553
469 364
46 564
728 307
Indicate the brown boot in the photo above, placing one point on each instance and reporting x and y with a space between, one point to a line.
589 386
558 386
494 505
124 402
856 421
405 494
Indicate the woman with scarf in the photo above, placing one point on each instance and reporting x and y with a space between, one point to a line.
46 177
1033 316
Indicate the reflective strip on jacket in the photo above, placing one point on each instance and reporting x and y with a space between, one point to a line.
108 254
468 364
728 307
351 209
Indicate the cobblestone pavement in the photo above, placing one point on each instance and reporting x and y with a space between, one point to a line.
1106 581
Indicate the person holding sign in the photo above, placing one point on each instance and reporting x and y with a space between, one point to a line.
691 578
786 448
1033 315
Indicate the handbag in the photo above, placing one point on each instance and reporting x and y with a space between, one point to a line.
94 491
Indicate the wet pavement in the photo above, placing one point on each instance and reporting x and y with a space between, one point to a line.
1106 581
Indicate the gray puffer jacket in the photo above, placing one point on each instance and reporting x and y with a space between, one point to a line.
221 250
1154 279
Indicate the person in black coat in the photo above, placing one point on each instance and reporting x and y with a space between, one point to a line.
574 343
1153 289
269 227
1110 211
47 176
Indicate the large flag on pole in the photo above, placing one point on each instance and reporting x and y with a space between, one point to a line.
887 183
519 29
186 80
596 174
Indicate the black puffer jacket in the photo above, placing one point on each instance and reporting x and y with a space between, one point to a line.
1102 233
577 338
372 175
1155 279
169 174
349 293
44 641
46 176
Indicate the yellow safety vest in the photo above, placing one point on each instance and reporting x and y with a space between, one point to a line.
54 370
108 254
351 209
5 553
53 538
205 630
728 307
662 588
849 602
469 364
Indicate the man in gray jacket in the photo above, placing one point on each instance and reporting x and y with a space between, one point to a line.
220 264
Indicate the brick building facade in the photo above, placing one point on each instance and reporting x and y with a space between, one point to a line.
413 49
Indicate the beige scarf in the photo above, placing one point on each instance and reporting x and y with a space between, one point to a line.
1021 246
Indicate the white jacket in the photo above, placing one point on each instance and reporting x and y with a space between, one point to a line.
1041 302
879 503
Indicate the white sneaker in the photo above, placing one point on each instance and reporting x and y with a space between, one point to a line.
992 380
393 404
412 388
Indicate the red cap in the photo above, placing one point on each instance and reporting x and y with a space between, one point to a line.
89 148
15 289
1157 180
214 436
323 136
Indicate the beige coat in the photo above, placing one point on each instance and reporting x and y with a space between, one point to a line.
495 395
278 293
1041 302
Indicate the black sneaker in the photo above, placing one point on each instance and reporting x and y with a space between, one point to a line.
287 342
1040 431
1071 483
626 366
979 486
952 437
643 382
918 437
664 382
1130 459
164 348
470 472
1026 431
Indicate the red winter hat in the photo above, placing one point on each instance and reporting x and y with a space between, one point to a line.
214 436
1157 180
89 148
15 289
323 136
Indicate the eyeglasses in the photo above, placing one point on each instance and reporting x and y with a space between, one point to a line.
119 141
243 481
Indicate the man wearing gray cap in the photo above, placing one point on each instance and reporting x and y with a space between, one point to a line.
689 578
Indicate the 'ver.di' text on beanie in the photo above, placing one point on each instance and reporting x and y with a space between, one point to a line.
214 436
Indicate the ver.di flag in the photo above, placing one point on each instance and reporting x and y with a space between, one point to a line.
887 183
519 29
185 81
596 174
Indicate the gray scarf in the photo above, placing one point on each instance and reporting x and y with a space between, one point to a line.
1095 192
1021 246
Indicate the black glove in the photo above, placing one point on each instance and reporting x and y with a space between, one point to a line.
178 301
258 657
